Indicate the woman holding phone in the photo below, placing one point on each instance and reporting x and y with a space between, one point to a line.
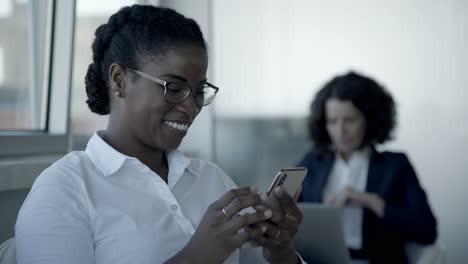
131 197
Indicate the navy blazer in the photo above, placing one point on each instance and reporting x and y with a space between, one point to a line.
407 214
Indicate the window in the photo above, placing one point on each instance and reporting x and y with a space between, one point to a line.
25 34
36 43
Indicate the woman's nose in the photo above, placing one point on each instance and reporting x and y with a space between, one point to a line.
341 129
189 106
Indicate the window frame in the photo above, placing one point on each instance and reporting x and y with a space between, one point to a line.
55 138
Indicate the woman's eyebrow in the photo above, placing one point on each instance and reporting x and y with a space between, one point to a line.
174 76
178 77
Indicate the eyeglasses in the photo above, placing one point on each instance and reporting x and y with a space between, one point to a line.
177 92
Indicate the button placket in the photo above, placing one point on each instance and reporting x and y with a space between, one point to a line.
162 191
168 197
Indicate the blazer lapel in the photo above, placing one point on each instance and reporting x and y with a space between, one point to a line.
373 175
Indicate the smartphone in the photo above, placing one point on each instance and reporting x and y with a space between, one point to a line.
290 179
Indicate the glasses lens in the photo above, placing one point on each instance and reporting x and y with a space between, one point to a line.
205 96
177 92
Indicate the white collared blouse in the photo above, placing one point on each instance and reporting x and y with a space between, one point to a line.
351 173
101 206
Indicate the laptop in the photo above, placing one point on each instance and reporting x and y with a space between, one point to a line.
320 238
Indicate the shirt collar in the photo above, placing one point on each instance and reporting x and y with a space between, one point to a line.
178 163
108 160
105 158
357 156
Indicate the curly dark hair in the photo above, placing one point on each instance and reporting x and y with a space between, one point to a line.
132 32
371 98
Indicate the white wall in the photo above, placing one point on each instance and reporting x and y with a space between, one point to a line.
271 56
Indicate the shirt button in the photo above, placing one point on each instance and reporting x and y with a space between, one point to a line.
174 207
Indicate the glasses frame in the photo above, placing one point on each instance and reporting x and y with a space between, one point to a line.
165 84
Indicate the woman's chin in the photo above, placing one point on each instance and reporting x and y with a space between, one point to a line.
345 150
171 144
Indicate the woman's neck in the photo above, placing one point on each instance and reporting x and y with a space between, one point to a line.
345 155
124 143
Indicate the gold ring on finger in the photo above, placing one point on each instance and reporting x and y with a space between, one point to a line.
277 234
224 212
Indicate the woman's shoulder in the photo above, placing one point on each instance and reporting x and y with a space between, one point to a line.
391 160
68 170
315 157
60 185
393 156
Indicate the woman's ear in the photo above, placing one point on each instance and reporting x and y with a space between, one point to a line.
117 80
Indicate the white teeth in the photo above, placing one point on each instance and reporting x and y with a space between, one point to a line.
177 126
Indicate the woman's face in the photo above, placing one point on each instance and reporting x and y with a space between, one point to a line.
151 120
346 125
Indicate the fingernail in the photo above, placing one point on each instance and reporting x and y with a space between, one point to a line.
253 189
279 191
264 197
268 213
264 229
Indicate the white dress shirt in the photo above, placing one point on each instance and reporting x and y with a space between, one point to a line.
351 173
101 206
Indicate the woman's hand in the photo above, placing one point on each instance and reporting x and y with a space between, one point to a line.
349 197
220 230
281 228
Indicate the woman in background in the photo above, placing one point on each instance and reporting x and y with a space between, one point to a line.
383 204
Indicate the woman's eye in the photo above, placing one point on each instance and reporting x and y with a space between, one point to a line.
331 122
350 120
173 91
